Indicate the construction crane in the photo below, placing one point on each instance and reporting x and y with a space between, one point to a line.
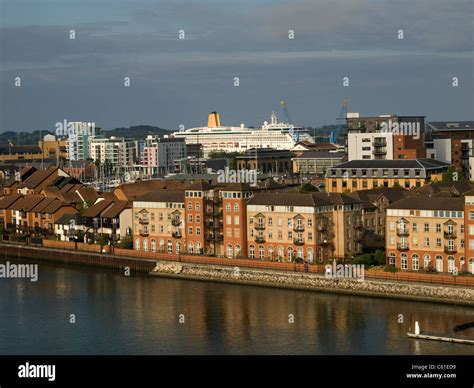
342 116
293 133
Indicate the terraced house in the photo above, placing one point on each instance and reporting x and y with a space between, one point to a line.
427 232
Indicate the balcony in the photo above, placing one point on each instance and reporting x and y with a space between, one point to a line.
402 247
358 224
450 249
214 237
143 221
259 239
259 226
321 227
298 228
176 234
213 200
450 235
213 224
359 238
379 152
298 241
379 143
402 232
144 232
176 222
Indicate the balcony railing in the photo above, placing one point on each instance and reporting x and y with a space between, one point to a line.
298 241
358 224
259 226
214 200
450 249
144 232
213 223
214 237
402 232
450 235
176 234
379 143
176 222
321 227
259 239
298 228
143 221
402 247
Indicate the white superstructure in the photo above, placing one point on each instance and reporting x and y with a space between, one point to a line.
215 137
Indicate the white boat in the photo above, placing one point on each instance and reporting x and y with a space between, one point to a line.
216 137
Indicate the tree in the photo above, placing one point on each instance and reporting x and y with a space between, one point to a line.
308 187
126 242
103 240
450 174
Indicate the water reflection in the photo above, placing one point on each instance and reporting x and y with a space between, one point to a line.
121 315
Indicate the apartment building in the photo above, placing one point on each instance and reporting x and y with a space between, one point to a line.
159 222
303 226
469 232
385 137
158 155
370 174
116 150
452 142
427 232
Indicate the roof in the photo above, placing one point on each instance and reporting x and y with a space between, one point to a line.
320 155
116 208
131 191
21 149
425 202
96 209
163 196
368 197
425 163
27 202
66 218
302 199
37 178
238 187
449 189
201 186
7 201
451 125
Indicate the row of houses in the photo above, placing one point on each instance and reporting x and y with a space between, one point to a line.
429 228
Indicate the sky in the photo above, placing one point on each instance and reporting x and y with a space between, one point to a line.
177 82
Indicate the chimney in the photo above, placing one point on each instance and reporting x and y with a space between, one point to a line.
213 120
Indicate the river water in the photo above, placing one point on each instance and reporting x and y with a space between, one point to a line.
90 311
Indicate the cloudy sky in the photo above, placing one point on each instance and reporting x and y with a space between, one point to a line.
178 82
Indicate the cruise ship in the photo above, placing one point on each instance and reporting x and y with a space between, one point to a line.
216 137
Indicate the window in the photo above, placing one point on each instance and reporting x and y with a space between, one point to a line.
309 255
153 245
198 219
237 250
280 251
190 218
403 261
391 259
190 231
439 263
252 252
230 251
415 264
438 242
137 244
191 248
227 207
426 261
438 228
270 221
427 227
198 231
270 252
228 220
170 246
145 245
426 242
261 252
450 264
236 207
197 206
236 220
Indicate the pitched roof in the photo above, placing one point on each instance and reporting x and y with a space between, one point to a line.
136 189
116 208
424 202
37 178
96 209
7 201
201 186
320 155
368 197
27 202
162 196
451 125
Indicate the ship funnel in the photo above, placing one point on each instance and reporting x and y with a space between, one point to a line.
213 120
